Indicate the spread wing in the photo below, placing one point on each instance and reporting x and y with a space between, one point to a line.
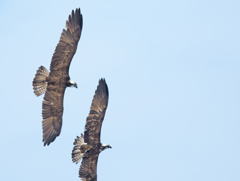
52 111
67 45
97 112
88 169
52 107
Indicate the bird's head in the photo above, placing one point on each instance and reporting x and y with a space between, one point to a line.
71 83
105 146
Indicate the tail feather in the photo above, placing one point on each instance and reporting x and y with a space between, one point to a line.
77 154
40 81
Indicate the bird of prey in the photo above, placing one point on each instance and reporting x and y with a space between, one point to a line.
89 146
54 83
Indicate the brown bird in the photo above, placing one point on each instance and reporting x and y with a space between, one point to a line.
89 146
55 82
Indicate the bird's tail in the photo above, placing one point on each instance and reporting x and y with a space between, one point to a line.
40 81
77 152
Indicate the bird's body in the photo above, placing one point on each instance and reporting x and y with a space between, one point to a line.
89 146
54 83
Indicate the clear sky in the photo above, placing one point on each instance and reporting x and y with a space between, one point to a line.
172 68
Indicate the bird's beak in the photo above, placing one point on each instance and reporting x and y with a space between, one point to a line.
76 85
110 147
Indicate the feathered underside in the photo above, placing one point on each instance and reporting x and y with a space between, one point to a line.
67 45
88 168
96 115
52 111
52 107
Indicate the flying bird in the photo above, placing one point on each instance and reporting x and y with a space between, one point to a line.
88 146
54 83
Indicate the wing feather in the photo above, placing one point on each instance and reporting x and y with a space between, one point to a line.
97 112
52 111
67 46
88 169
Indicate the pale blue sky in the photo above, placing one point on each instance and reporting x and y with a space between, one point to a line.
172 68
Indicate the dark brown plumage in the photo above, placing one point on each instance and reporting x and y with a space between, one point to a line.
90 148
58 78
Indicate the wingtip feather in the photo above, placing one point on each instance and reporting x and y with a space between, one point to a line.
102 86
